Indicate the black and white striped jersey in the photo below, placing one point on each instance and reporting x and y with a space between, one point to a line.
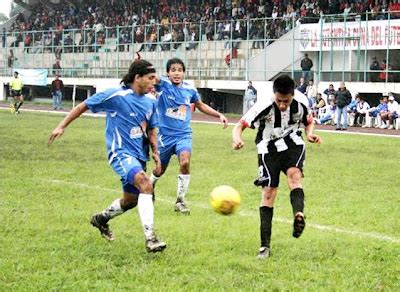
277 130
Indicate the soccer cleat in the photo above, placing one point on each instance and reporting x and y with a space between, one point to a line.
298 224
263 253
99 222
154 245
180 207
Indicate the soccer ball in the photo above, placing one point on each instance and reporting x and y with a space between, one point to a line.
225 200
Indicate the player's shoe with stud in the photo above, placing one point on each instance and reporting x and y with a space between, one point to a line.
299 224
180 207
154 245
100 223
263 253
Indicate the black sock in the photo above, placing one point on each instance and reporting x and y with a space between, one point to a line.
297 200
19 105
266 214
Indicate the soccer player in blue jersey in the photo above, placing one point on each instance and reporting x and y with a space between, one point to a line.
175 134
130 128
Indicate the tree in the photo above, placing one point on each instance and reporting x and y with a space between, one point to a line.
3 18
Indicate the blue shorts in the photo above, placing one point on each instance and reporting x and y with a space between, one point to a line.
395 115
127 166
170 145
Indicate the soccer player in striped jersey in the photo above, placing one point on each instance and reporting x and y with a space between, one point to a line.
280 147
130 128
175 133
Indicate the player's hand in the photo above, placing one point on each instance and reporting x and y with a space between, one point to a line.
223 120
156 158
314 139
237 143
57 133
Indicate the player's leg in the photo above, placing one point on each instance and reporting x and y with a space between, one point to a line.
183 151
119 206
20 97
269 170
146 212
166 147
294 172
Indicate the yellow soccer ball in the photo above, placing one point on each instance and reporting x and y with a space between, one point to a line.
225 200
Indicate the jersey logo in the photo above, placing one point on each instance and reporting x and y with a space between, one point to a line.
177 113
170 97
133 114
136 132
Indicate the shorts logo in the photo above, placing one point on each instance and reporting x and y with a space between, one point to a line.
113 114
148 115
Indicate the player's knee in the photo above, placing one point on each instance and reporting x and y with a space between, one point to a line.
185 164
143 183
128 203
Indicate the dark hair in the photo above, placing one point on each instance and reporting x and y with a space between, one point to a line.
284 85
175 61
138 67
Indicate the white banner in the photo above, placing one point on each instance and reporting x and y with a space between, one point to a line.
350 35
33 76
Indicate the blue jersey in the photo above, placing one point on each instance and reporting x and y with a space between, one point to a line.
174 107
128 115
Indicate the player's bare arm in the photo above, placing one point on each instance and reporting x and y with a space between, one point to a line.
311 137
73 114
212 112
237 140
152 134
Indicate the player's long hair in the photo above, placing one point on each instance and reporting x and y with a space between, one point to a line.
175 61
138 67
284 85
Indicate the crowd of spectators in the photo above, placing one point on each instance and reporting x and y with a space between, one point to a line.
179 20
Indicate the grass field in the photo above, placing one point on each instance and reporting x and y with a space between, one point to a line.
47 195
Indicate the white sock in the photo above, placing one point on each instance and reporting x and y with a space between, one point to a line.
154 179
183 186
146 213
113 210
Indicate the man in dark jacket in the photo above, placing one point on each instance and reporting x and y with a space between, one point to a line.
306 65
374 76
343 98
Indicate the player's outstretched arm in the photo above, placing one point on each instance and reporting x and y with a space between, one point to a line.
237 140
311 137
211 112
73 114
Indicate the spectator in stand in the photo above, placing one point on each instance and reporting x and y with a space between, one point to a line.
302 86
330 92
384 75
4 37
374 76
57 88
57 67
311 93
375 112
250 96
329 114
10 59
343 99
361 111
319 104
391 114
306 65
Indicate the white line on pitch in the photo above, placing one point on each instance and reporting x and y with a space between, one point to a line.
320 227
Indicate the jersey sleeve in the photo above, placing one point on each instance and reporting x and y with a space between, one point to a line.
250 119
164 82
153 122
101 101
195 96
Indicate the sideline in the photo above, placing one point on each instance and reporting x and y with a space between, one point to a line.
64 113
320 227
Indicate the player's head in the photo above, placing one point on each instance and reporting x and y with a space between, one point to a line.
175 70
15 74
141 76
284 91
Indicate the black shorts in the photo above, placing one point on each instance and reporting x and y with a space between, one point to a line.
16 93
271 164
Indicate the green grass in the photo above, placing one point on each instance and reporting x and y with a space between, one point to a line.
47 196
